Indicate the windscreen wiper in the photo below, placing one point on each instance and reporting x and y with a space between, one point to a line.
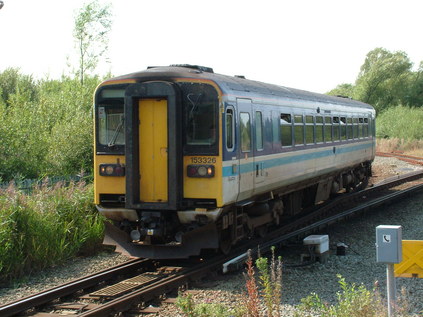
116 133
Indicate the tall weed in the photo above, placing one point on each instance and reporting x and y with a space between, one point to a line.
400 122
46 227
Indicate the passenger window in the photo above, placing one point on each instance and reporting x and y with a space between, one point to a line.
343 124
286 129
275 128
355 127
366 127
309 130
230 129
298 130
336 128
245 127
349 129
259 131
360 128
319 129
328 129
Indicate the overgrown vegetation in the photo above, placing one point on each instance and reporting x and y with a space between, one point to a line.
401 122
46 227
263 298
45 126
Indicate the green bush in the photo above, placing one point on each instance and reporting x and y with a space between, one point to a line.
186 304
46 127
352 301
400 122
46 227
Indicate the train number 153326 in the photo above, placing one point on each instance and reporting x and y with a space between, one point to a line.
203 160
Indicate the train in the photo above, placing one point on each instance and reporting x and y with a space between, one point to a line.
188 160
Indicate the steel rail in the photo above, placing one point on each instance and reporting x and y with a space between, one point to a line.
150 292
46 296
416 160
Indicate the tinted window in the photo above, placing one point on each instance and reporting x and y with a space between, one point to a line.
309 130
230 129
286 129
245 127
298 130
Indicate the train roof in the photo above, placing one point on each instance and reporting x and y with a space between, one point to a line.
237 84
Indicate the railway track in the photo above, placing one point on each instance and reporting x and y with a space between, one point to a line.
129 287
416 160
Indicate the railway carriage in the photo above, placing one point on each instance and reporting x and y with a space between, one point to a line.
186 159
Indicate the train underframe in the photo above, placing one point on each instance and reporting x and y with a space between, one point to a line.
164 234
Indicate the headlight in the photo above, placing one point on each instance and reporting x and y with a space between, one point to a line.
200 171
112 170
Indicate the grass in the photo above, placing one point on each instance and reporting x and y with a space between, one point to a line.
264 291
46 227
400 122
409 147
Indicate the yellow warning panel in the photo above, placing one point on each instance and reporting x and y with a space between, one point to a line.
412 259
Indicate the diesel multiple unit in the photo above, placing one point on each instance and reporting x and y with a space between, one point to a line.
186 159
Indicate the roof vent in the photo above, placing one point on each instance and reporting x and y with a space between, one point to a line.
197 67
240 76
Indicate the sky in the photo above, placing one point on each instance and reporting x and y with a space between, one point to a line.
313 45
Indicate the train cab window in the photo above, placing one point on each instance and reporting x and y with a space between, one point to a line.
230 129
335 128
309 130
245 131
298 130
286 129
360 128
200 118
319 129
110 125
343 125
355 127
259 131
328 129
349 129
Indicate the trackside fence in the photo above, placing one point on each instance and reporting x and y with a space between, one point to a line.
27 185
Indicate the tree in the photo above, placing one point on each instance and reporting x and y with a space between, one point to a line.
384 79
92 26
12 82
344 90
415 95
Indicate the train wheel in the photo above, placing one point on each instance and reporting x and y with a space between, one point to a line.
363 184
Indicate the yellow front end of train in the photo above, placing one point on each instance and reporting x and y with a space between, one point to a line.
157 165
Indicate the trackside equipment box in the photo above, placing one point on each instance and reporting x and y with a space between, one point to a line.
388 244
320 241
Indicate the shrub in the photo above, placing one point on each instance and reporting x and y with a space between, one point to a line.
400 122
352 301
46 227
186 304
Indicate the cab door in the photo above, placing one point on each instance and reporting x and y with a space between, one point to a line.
153 144
245 149
153 150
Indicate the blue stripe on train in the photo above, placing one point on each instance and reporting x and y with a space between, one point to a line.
249 167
